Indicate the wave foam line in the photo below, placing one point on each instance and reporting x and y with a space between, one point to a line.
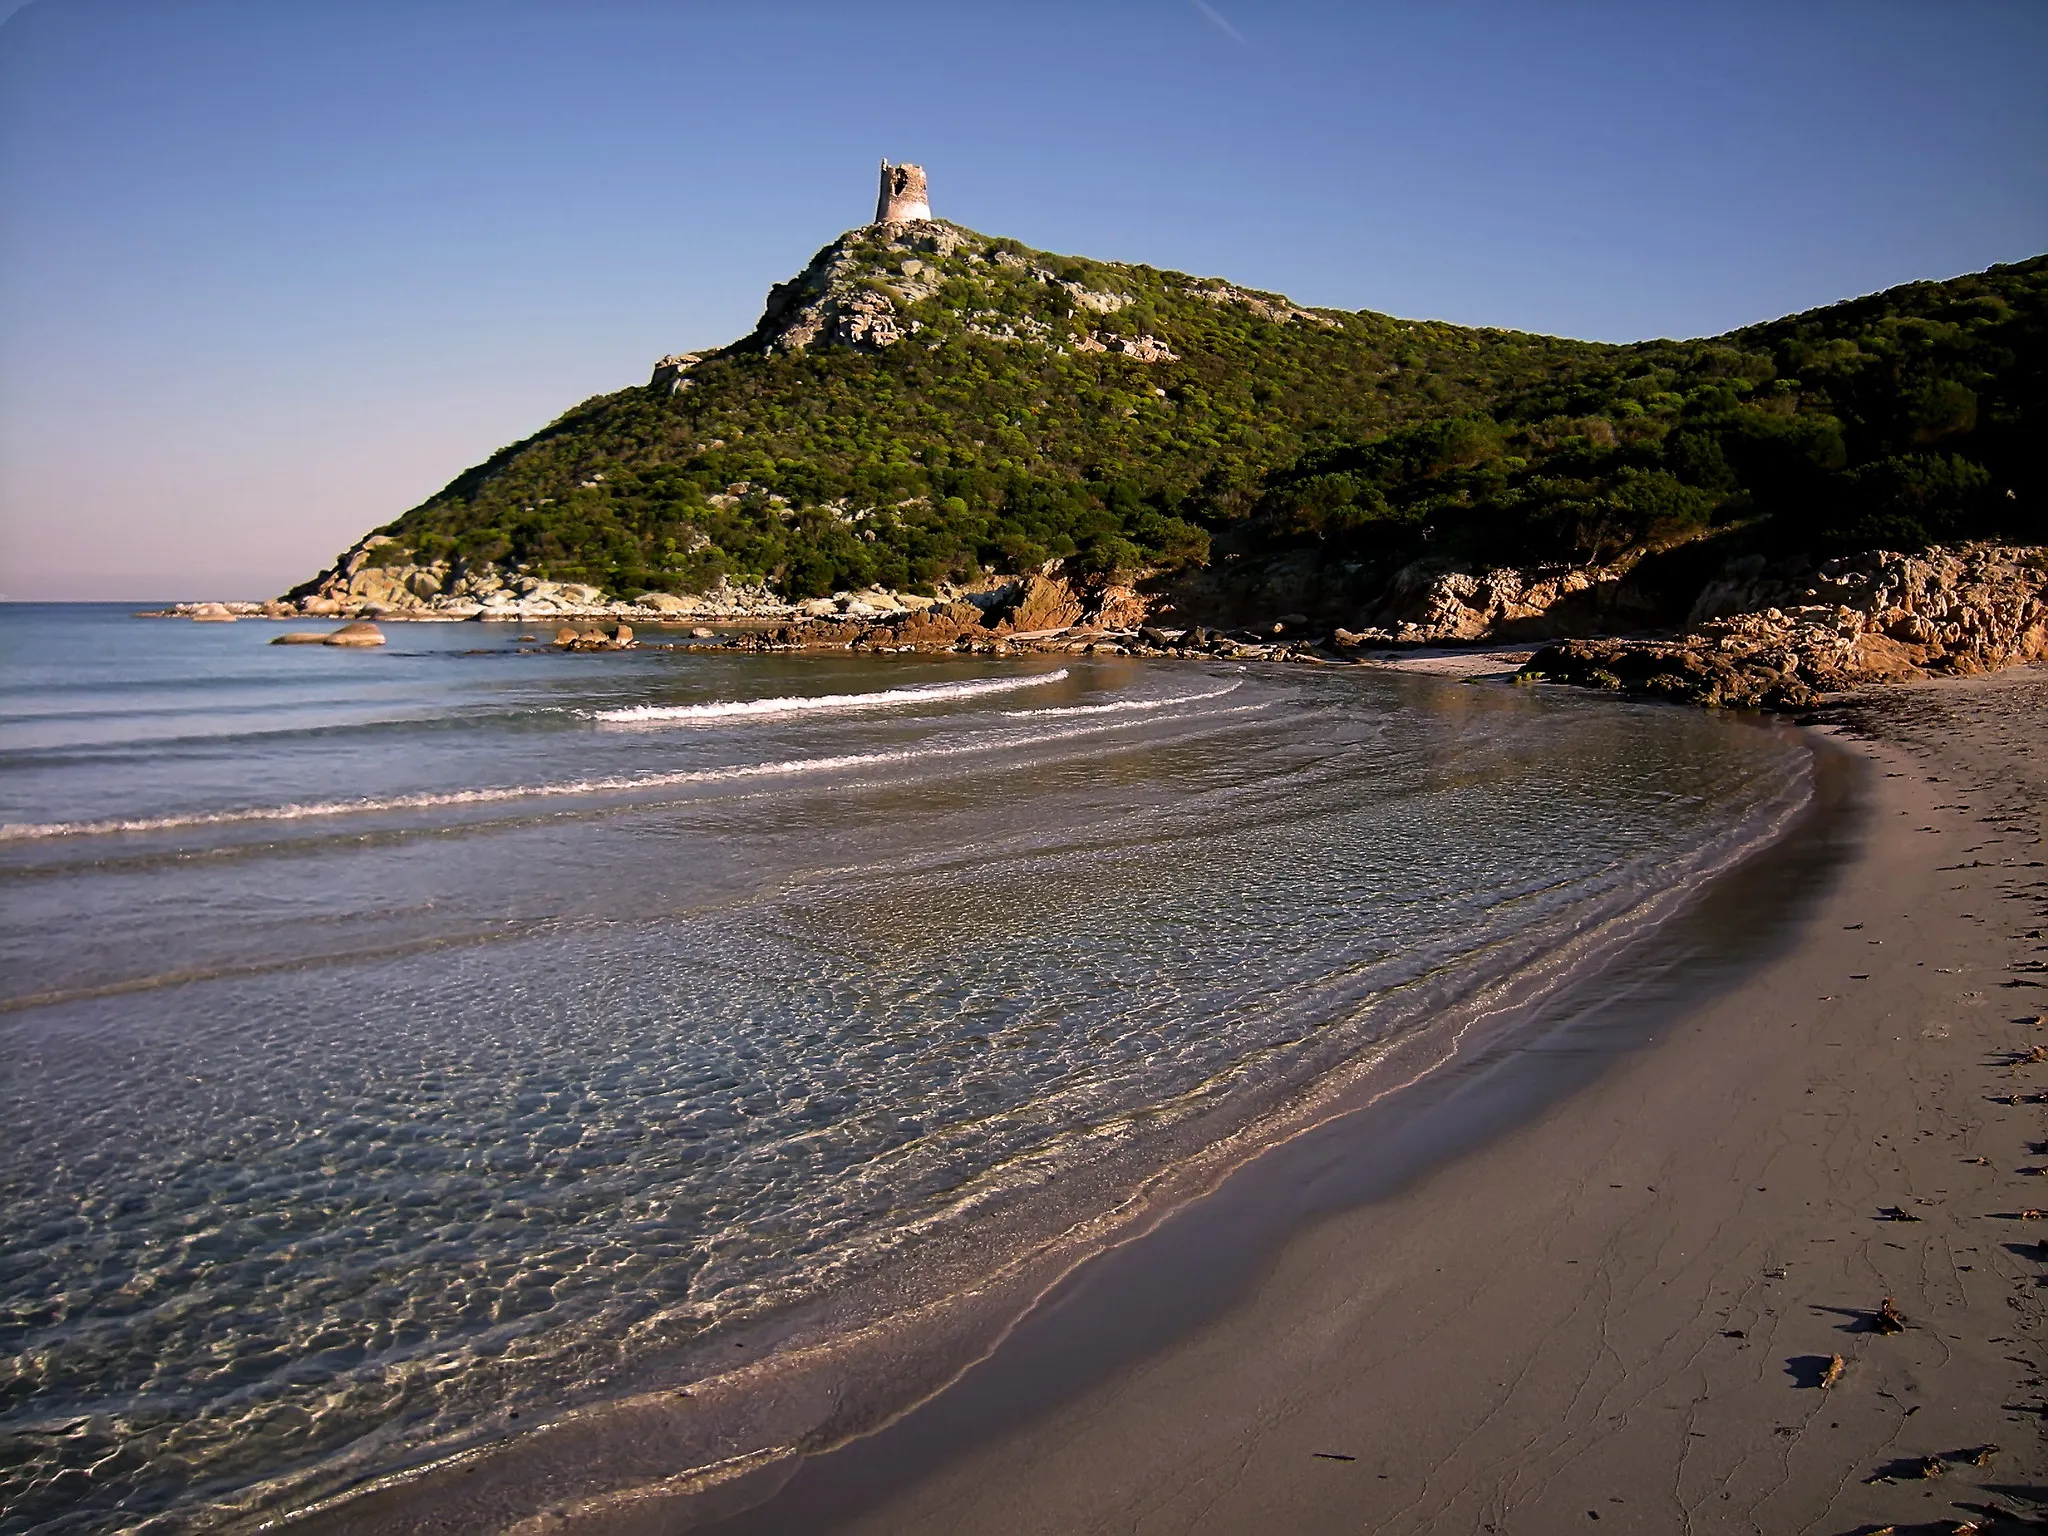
618 784
1121 706
823 703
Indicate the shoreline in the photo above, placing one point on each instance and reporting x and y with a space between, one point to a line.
1623 1307
647 1456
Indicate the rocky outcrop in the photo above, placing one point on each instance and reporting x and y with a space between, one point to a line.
838 297
1430 602
1040 603
1081 296
670 370
379 578
1044 613
1139 349
1863 619
1274 307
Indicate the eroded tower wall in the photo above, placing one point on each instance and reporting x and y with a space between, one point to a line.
903 195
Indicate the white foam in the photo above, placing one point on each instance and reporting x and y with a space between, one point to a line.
822 703
1122 706
616 784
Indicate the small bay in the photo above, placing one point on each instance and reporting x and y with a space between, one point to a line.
392 1040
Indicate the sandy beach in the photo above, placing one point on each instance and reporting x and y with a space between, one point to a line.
1627 1309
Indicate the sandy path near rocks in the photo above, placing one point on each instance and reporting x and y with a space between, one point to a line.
1617 1316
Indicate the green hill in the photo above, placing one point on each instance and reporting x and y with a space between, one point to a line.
923 402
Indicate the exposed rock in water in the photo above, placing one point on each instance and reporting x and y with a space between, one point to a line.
592 638
355 634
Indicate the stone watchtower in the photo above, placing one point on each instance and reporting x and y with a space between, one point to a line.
903 195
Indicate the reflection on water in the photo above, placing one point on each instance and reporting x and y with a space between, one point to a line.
393 1038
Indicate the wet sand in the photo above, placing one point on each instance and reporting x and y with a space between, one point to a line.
1622 1309
1493 663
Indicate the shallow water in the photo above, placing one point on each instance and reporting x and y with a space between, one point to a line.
391 1037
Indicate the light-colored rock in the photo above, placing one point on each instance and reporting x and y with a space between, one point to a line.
1096 303
666 602
212 613
670 370
386 587
1139 349
355 635
1267 306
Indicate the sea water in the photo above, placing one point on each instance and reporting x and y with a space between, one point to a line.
392 1038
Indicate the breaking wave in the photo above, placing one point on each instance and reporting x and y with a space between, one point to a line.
1121 706
822 703
610 784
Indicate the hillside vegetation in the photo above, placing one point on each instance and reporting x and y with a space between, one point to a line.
924 403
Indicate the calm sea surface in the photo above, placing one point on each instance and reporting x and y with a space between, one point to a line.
389 1037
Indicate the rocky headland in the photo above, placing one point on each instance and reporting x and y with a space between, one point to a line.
939 440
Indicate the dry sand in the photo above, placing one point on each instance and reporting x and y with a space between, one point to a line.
1621 1311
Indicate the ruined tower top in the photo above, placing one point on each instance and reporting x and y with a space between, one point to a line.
903 195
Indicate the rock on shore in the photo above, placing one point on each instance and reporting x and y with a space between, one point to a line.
1755 635
1872 618
1042 614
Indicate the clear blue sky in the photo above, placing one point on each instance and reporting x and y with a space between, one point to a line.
273 270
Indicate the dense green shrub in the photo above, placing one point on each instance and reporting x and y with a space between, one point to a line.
1909 416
